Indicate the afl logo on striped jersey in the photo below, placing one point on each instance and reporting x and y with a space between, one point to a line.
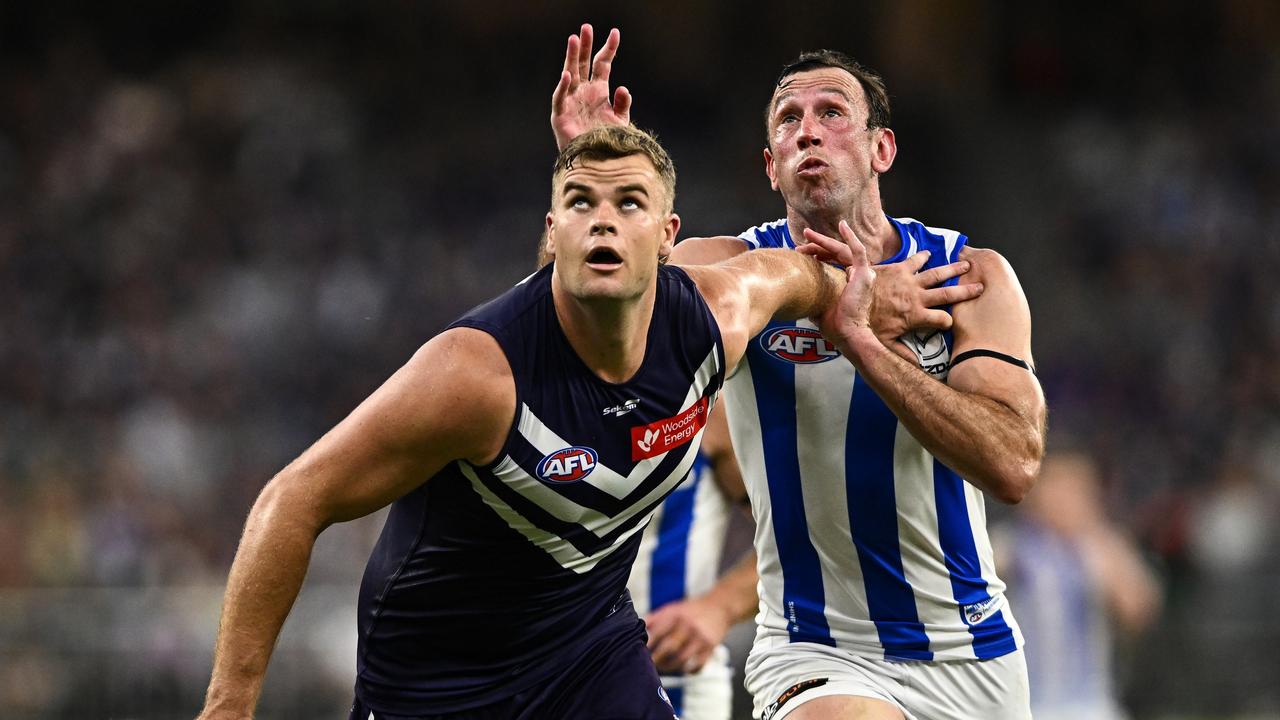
568 464
800 345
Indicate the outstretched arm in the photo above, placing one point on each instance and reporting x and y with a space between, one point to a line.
747 291
581 99
988 421
423 417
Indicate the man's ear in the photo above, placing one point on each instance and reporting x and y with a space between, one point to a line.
669 234
885 150
548 239
544 255
770 170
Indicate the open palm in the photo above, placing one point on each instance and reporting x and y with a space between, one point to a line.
582 99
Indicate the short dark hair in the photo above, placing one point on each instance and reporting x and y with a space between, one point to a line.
610 142
872 84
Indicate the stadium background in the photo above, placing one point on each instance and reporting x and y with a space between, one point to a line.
222 224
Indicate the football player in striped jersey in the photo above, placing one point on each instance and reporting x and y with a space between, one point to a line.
868 475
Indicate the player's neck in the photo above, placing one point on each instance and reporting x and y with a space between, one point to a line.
868 222
610 336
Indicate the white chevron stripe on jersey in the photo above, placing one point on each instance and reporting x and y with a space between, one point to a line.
557 547
538 493
561 507
603 478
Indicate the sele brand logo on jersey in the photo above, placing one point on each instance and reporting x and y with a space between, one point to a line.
568 464
659 437
800 345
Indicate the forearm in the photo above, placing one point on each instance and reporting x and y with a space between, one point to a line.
735 591
988 443
265 577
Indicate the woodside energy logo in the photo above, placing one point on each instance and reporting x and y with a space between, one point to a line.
659 437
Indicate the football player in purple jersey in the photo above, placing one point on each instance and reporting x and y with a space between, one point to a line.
498 586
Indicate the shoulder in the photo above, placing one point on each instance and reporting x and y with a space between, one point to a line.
717 284
707 294
988 266
707 250
477 347
463 374
1000 318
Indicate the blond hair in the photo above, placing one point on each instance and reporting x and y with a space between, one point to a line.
610 142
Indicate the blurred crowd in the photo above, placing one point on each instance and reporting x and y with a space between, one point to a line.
221 228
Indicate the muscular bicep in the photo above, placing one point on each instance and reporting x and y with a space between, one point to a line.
999 321
453 400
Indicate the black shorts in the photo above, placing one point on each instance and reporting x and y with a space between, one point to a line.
613 680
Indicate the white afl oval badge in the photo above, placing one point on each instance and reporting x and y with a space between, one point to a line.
568 464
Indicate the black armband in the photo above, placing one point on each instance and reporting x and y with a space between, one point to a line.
993 354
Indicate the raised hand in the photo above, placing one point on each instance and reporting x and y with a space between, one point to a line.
582 100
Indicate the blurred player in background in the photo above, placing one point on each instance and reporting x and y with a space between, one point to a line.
1077 579
879 597
498 586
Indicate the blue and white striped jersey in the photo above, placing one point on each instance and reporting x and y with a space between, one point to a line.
680 551
865 541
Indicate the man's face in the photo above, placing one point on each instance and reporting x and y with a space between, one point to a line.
608 227
821 156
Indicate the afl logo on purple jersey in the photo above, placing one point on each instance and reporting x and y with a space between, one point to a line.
568 465
800 345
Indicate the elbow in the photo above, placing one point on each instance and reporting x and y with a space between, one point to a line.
283 502
1012 483
1016 471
